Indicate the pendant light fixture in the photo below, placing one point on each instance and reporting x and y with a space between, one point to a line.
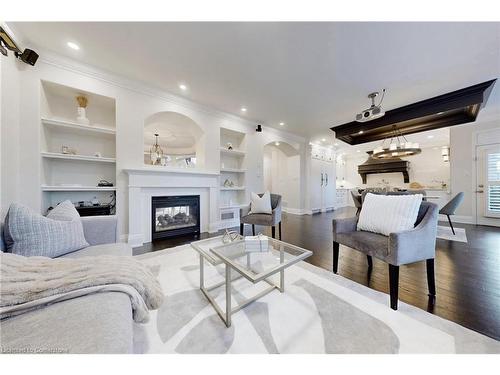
398 146
155 152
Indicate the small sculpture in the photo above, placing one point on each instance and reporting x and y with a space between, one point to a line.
67 150
228 183
229 145
229 236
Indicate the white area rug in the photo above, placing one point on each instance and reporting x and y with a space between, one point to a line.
445 233
319 313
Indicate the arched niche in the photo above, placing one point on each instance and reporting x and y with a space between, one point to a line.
282 172
179 136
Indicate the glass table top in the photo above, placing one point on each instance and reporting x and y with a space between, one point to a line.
256 263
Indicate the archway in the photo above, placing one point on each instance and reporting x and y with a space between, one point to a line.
179 138
282 173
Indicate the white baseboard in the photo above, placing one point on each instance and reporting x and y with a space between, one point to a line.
215 227
135 240
294 211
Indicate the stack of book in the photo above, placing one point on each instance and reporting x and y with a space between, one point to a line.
256 244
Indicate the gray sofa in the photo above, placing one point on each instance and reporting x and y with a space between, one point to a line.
98 323
397 249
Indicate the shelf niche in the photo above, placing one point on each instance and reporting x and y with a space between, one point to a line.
181 139
232 168
75 176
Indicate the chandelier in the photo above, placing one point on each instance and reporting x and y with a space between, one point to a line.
398 147
155 152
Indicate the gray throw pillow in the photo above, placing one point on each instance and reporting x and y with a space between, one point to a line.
30 234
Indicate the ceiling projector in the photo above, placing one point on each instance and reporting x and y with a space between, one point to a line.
375 111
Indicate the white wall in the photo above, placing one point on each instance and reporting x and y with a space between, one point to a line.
463 141
134 103
10 131
425 168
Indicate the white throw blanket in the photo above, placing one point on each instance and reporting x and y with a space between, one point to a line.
27 283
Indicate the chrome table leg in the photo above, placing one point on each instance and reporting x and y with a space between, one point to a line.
228 295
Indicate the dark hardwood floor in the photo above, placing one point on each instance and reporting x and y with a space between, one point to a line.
467 274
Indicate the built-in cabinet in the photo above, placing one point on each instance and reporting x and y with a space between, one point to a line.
232 176
342 198
322 179
75 155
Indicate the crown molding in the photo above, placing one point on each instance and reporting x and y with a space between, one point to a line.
61 62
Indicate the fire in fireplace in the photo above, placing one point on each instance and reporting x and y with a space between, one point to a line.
175 215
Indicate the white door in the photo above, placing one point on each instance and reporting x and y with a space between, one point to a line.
328 186
488 185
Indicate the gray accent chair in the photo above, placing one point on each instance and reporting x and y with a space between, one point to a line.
451 207
397 249
269 220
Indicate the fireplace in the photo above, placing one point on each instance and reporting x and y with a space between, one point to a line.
174 216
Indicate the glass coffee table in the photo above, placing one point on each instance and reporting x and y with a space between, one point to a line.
254 266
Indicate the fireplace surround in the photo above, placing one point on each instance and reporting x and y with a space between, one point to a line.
173 216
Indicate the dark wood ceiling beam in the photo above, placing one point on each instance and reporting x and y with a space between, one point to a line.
457 107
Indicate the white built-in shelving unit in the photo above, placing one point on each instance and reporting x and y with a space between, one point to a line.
75 175
232 168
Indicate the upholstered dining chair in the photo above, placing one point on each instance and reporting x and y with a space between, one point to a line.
356 198
450 208
269 220
404 192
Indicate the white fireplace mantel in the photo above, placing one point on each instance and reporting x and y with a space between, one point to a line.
147 182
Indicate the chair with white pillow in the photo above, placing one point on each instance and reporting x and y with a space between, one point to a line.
397 248
270 218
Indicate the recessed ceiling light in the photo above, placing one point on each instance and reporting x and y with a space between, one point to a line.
183 87
430 136
73 46
335 144
360 132
323 139
358 151
243 109
282 123
277 143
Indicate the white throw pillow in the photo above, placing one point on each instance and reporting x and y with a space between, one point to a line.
387 214
261 205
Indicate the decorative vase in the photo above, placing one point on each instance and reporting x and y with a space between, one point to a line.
82 104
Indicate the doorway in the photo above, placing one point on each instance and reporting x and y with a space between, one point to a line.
282 174
487 188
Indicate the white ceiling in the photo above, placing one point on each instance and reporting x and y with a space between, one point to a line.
309 75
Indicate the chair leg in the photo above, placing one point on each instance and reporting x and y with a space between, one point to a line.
279 229
431 282
241 228
370 261
335 256
253 229
451 225
394 285
273 231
